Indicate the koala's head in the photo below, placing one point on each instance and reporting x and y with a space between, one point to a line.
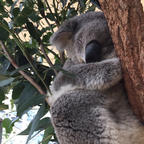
85 38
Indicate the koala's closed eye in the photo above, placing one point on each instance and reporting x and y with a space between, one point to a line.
93 51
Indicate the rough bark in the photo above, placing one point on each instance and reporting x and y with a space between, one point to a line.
126 23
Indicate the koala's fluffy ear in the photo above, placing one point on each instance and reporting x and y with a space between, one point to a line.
63 37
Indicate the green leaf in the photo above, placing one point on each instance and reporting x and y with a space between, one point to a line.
13 6
2 96
4 66
17 90
20 68
71 12
16 119
6 82
34 17
46 37
49 132
3 34
82 3
1 8
28 98
43 124
3 77
91 8
3 107
26 11
41 8
10 2
33 31
36 120
50 16
20 20
64 2
6 123
15 12
96 3
44 30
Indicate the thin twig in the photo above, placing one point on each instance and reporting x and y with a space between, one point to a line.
57 22
55 9
49 24
20 71
46 57
57 4
56 55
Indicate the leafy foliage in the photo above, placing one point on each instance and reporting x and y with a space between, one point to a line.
25 29
7 125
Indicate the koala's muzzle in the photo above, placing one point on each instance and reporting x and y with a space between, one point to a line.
93 51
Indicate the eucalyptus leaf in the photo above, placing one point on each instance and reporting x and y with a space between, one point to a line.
96 3
63 2
4 66
3 34
46 37
48 134
6 82
33 31
41 8
28 98
3 77
26 11
1 8
20 68
36 120
82 3
17 90
10 2
15 12
2 96
20 20
50 16
3 107
43 124
6 123
34 17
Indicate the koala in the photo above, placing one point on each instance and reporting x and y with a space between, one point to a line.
91 106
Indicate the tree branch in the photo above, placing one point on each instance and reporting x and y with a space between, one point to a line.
28 78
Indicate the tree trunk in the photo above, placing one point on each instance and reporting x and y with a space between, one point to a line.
126 22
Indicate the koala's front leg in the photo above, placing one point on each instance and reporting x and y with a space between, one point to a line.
100 75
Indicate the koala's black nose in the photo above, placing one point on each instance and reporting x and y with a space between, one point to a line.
93 51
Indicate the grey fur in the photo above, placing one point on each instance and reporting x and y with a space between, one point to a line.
91 107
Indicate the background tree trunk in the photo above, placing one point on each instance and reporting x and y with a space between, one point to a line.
126 22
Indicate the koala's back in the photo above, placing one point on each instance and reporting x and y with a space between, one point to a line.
93 117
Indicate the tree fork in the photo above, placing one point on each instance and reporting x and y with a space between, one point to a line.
126 23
